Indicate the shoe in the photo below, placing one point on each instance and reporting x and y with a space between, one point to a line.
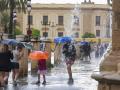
44 83
38 82
70 81
15 83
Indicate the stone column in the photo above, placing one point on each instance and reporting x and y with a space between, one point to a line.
24 63
57 54
110 62
109 74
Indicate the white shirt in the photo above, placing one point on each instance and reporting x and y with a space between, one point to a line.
15 56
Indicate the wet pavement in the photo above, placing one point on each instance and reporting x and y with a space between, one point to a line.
58 77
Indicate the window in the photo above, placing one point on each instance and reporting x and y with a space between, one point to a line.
76 20
60 20
30 19
60 34
97 20
97 33
45 20
45 34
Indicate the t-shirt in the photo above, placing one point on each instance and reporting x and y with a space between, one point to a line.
69 50
42 64
5 63
15 55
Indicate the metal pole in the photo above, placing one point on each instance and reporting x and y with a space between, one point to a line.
14 33
29 24
14 24
45 31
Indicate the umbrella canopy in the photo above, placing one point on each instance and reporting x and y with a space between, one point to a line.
25 45
9 42
84 43
57 39
37 55
62 39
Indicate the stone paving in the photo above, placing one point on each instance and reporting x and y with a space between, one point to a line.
57 78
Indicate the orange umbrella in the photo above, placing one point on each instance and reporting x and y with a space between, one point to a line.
37 55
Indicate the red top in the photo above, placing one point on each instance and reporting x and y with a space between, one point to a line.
42 64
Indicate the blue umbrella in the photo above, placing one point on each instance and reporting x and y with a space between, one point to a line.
57 39
62 39
9 42
66 39
84 43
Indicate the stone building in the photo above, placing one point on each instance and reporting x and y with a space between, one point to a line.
55 20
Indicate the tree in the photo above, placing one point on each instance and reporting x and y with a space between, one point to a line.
88 35
35 33
11 5
18 31
5 21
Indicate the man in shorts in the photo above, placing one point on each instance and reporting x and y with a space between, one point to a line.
70 53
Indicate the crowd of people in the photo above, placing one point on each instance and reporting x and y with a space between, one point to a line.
9 63
10 60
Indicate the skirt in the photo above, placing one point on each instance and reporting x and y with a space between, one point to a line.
42 72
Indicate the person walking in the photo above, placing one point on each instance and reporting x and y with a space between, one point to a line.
5 64
42 69
69 51
15 64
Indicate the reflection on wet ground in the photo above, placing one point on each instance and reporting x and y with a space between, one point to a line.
57 78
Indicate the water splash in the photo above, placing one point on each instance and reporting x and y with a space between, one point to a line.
74 21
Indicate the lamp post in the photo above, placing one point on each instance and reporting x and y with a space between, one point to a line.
45 24
29 32
14 23
52 32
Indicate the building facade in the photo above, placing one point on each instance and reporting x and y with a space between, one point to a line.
55 20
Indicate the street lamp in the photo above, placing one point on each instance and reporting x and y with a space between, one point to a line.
14 23
45 24
53 25
29 32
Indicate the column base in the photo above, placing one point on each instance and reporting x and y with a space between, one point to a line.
109 75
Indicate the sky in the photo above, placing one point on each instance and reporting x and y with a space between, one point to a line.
68 1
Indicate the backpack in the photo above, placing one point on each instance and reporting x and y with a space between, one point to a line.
69 50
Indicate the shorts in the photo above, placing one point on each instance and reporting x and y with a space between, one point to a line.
70 61
6 68
15 65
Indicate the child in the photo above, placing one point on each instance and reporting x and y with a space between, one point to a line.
42 70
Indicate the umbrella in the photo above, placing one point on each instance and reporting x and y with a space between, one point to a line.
84 43
66 39
9 42
57 39
62 39
37 55
25 45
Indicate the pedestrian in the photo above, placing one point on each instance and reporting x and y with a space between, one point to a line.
42 69
17 53
5 64
70 53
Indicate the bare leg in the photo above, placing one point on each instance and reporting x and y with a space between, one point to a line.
69 71
6 77
13 75
16 74
44 80
38 82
